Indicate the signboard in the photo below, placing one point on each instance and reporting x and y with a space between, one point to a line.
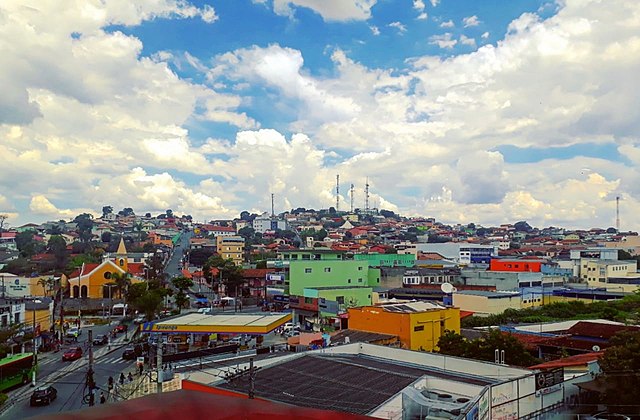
275 277
549 378
281 298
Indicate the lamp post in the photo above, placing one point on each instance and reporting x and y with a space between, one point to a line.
35 346
110 306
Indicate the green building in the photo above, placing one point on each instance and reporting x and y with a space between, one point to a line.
330 273
387 260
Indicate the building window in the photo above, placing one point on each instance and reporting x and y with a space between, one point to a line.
121 262
316 256
348 280
306 256
307 270
340 300
327 269
360 268
360 280
107 275
294 256
16 318
418 328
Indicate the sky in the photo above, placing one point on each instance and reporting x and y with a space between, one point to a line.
467 111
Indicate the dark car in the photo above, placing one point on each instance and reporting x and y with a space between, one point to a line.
100 340
43 395
72 354
131 353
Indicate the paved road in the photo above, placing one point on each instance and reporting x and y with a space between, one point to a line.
69 377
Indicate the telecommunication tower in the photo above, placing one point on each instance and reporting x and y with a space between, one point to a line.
337 192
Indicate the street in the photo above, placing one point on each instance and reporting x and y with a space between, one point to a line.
69 377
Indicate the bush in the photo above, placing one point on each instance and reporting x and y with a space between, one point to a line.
3 399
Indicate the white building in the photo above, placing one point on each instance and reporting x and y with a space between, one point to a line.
265 223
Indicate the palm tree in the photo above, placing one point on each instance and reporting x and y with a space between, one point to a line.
47 284
123 281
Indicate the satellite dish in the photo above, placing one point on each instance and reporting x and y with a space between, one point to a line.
595 348
447 288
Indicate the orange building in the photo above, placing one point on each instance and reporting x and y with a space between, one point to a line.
521 265
418 325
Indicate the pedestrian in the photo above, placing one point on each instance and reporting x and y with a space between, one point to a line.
103 399
130 377
121 378
141 368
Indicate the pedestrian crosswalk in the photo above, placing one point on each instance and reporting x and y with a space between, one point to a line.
111 358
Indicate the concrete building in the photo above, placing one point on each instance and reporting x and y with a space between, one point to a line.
231 248
392 383
423 276
265 223
387 260
12 311
483 303
418 325
580 257
461 252
614 275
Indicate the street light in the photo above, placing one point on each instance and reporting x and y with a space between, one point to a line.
110 306
35 346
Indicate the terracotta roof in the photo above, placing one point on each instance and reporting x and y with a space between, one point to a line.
135 268
257 272
595 329
577 360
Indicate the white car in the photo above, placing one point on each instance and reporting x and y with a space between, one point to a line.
74 332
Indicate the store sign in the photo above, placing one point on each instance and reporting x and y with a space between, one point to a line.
549 378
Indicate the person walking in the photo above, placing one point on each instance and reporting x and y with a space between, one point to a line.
103 399
121 378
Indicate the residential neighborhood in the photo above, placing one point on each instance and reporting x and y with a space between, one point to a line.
286 291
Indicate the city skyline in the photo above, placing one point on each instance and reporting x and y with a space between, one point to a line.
455 110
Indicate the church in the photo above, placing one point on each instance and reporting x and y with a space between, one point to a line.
97 281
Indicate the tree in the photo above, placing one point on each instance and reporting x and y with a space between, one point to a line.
147 299
26 243
47 283
231 274
106 210
182 284
155 268
147 215
3 217
624 255
127 211
198 257
452 344
522 226
388 214
58 247
123 281
169 213
84 223
621 366
106 237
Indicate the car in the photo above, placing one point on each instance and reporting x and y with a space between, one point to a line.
73 332
206 311
100 340
73 353
43 395
606 416
132 352
139 319
120 328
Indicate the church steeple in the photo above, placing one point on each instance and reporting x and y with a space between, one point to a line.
121 256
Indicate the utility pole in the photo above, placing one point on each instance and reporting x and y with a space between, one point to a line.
252 380
351 191
159 364
90 382
61 312
35 348
338 193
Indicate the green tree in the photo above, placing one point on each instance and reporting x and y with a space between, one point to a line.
146 299
123 281
26 243
106 210
452 344
182 284
58 247
3 218
231 274
621 366
84 223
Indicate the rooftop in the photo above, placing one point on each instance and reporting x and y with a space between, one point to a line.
225 323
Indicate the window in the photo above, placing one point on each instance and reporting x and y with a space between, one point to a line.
360 280
327 269
294 256
348 280
308 300
307 270
16 318
340 300
316 256
418 328
360 268
306 256
121 262
107 275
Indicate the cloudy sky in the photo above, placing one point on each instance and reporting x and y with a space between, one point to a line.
464 110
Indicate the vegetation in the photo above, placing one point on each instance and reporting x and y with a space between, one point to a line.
622 310
621 366
147 298
182 284
453 344
231 274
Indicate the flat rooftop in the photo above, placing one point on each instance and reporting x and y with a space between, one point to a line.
234 323
352 383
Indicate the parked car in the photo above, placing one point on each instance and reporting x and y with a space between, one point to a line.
73 353
43 395
139 319
100 340
206 311
73 332
607 416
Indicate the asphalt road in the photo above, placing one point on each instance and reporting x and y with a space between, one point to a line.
69 377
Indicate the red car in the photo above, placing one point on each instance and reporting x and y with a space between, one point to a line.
72 354
121 328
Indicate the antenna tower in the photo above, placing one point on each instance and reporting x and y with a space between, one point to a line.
351 193
366 196
618 214
273 213
338 193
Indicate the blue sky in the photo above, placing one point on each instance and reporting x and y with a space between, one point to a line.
467 111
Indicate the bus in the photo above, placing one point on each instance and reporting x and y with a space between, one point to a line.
119 309
16 370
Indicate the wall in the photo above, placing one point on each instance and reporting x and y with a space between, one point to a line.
356 296
515 265
482 305
387 260
339 274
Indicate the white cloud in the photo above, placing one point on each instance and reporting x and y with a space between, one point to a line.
330 10
467 41
399 26
443 41
434 3
418 5
447 24
485 35
422 16
374 30
471 21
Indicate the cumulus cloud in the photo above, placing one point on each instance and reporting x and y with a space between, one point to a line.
447 24
374 30
464 40
443 41
399 26
471 21
330 10
420 6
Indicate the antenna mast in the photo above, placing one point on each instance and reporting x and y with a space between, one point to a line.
618 214
338 193
351 193
366 196
273 213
